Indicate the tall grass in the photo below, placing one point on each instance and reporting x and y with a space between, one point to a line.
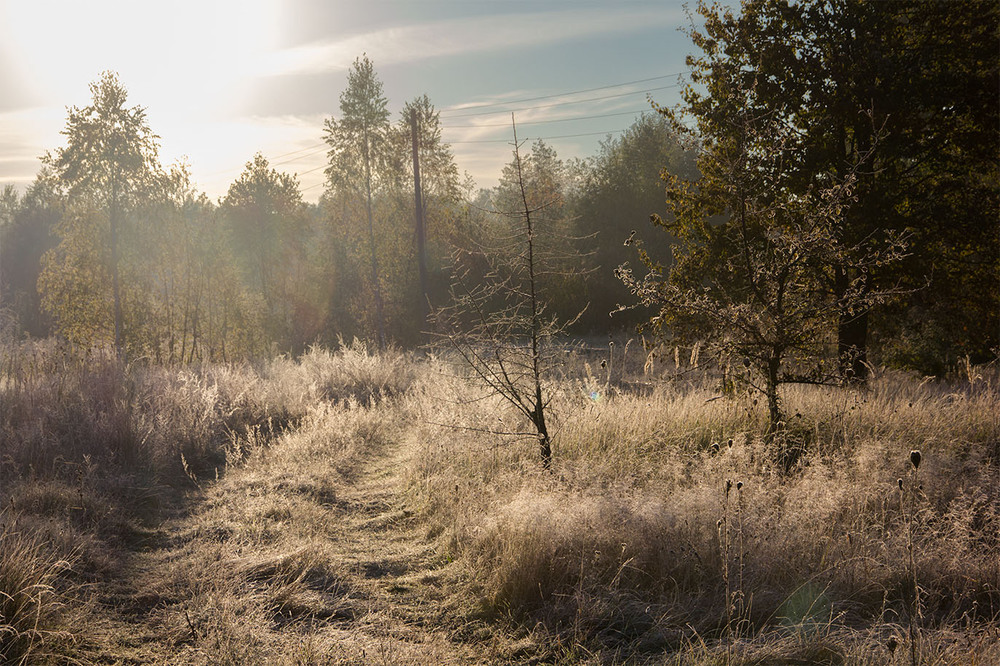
634 541
669 529
35 623
92 452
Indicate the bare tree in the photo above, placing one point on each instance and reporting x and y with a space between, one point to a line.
498 321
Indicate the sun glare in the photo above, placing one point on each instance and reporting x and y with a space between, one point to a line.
190 63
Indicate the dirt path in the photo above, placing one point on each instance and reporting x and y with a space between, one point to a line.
293 559
408 614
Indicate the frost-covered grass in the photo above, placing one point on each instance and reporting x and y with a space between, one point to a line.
349 506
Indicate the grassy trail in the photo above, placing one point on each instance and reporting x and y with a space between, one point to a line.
294 557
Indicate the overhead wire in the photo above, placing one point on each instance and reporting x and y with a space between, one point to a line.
542 138
575 101
449 113
542 122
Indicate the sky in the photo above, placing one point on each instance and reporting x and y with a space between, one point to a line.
224 79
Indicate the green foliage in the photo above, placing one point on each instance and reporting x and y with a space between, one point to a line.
25 236
359 159
543 184
620 189
359 140
754 254
107 172
369 206
908 88
202 308
266 223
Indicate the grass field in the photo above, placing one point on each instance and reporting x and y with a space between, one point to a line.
355 508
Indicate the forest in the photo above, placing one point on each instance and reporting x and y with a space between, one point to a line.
725 392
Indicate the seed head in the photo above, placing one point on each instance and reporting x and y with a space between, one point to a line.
899 482
915 458
730 442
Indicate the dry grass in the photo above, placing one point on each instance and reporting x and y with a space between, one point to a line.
631 544
350 507
35 622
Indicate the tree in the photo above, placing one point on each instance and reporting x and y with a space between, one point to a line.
107 171
419 129
621 188
9 203
498 321
265 218
909 86
753 258
200 306
359 154
541 182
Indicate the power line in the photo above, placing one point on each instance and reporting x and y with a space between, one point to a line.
447 114
300 150
322 149
576 101
543 138
317 149
323 166
556 120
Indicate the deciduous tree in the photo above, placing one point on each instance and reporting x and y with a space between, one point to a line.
107 171
265 217
753 258
911 86
499 321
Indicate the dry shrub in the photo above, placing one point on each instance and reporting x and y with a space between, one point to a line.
54 410
199 413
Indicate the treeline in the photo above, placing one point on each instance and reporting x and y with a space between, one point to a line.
893 106
109 247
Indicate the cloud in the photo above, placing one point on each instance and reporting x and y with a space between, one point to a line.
452 37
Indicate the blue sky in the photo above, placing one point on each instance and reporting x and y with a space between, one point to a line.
222 80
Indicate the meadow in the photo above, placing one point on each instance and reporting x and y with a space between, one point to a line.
352 507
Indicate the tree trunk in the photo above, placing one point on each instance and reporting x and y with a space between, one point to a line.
852 335
115 285
380 323
773 404
545 444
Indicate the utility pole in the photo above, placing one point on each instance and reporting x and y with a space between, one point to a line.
419 205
